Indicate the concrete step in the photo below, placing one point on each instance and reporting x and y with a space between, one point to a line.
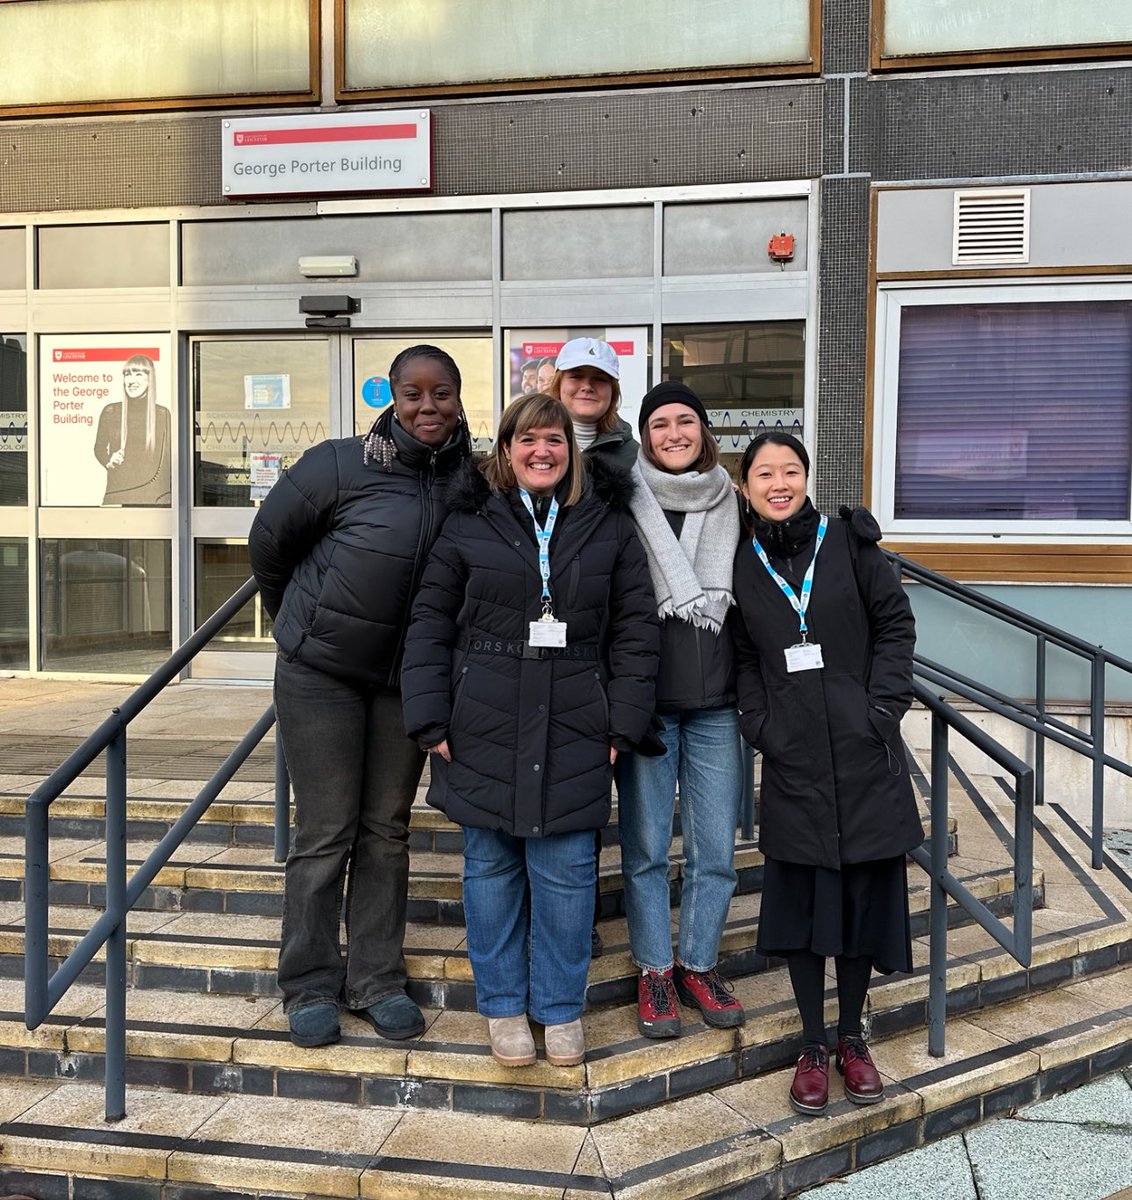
203 877
196 1042
235 951
731 1138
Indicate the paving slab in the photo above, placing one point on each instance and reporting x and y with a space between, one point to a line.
1019 1160
1105 1102
941 1171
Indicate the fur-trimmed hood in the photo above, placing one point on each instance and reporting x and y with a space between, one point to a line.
469 490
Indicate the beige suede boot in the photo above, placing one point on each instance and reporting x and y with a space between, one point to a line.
565 1044
511 1042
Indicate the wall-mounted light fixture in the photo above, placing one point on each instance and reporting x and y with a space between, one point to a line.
328 266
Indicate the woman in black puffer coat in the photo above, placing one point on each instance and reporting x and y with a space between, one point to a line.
338 548
524 736
825 676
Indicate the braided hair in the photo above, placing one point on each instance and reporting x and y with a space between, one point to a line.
379 447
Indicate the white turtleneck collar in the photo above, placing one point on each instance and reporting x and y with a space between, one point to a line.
585 434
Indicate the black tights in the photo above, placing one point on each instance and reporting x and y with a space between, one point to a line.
807 977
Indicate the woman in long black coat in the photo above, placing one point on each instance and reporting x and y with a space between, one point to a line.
821 695
524 717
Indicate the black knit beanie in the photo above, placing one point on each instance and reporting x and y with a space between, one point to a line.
670 392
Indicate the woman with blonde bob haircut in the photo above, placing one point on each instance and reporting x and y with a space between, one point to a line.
529 665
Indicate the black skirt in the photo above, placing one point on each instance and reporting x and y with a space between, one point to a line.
859 911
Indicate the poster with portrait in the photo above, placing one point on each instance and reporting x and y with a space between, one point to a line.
531 354
105 420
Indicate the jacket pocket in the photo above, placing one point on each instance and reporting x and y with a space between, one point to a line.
883 722
458 690
604 699
572 581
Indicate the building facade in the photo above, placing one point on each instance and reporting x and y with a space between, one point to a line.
898 229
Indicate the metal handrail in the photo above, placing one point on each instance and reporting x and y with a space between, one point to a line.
1019 940
42 991
1034 717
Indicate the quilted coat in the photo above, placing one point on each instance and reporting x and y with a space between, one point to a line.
529 729
835 786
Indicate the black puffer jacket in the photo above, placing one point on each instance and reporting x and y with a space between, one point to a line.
529 730
835 786
338 548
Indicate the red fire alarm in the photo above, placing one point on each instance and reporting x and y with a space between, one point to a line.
781 248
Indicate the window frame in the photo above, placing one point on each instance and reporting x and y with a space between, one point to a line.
998 56
177 103
891 300
564 83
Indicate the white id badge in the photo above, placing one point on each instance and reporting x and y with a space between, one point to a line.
548 633
806 656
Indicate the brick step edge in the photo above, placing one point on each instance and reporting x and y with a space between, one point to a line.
617 1078
438 978
778 1158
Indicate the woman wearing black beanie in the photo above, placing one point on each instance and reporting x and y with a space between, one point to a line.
687 516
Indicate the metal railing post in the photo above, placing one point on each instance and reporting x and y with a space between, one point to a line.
937 987
114 1052
1024 869
36 965
747 801
282 802
1096 728
1040 704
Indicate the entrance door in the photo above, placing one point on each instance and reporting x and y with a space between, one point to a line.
258 403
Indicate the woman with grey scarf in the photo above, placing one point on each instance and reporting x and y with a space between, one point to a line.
687 516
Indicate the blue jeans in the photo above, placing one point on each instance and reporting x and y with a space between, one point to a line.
530 949
704 755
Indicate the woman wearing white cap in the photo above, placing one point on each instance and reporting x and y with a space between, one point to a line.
586 381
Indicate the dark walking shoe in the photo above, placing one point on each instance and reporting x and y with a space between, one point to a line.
862 1080
809 1093
711 994
656 1005
315 1025
394 1015
596 946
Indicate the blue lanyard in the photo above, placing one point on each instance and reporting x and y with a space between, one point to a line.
798 605
543 537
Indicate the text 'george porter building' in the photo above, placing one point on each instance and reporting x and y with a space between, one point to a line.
897 227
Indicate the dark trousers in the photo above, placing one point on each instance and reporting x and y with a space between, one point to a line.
354 774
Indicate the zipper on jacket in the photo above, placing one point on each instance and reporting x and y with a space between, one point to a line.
424 486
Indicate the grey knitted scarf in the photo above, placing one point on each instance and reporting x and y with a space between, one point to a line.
692 576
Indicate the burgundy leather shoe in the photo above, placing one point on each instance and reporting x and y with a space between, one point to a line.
862 1082
809 1093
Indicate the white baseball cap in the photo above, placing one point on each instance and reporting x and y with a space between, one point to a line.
588 352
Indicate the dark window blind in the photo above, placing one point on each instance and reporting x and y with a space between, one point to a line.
1015 411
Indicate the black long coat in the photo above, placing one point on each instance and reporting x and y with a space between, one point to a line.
835 786
339 547
529 735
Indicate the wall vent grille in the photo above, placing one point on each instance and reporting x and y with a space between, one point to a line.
991 227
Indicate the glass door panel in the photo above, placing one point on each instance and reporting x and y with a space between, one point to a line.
258 404
473 356
750 376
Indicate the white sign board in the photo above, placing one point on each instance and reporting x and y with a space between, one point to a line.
334 152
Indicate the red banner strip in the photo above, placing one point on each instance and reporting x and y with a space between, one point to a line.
343 133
